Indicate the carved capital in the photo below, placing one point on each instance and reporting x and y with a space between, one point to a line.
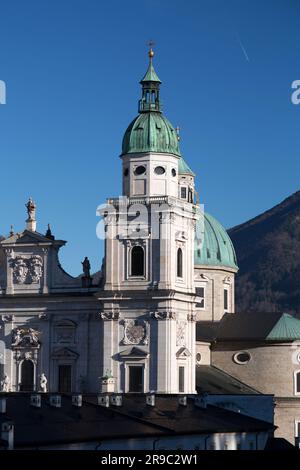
9 252
192 317
109 315
166 315
7 318
43 316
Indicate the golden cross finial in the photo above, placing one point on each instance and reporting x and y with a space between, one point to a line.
151 52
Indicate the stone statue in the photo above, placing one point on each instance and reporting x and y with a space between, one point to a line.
43 383
33 335
30 206
86 267
16 339
5 384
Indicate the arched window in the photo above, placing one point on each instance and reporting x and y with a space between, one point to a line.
179 262
27 376
137 261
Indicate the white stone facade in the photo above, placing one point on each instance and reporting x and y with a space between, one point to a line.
136 327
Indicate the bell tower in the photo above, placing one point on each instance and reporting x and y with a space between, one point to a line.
148 313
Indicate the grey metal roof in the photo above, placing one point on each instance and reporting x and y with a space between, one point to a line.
206 330
50 426
247 326
210 379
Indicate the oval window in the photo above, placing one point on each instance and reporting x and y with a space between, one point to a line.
159 170
242 357
198 357
174 172
140 170
126 171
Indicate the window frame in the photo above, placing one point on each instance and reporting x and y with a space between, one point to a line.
237 361
181 378
297 423
127 366
204 297
226 308
296 373
179 266
185 188
137 276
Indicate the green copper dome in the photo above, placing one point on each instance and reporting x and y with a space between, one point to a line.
150 131
184 169
216 248
286 329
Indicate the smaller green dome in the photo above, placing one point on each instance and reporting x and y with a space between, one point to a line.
184 169
215 247
150 132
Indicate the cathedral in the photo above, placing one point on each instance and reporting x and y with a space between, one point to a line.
160 312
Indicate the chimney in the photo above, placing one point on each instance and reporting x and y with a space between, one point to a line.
55 401
182 400
2 405
7 434
77 400
103 400
150 399
35 400
201 401
116 400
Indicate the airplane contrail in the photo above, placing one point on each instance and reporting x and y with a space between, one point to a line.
243 49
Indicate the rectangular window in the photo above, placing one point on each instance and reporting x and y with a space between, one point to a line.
200 292
183 193
64 378
181 379
298 428
225 299
136 379
297 434
297 377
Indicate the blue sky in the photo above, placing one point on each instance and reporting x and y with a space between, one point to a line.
72 71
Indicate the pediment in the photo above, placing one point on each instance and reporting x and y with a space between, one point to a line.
201 277
183 353
132 353
64 353
26 237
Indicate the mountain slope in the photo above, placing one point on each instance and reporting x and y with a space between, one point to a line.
268 253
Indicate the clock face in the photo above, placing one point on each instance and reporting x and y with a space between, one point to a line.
135 333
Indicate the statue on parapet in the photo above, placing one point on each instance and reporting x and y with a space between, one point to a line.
5 384
43 383
31 207
86 267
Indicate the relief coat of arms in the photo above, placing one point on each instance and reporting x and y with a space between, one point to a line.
27 270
